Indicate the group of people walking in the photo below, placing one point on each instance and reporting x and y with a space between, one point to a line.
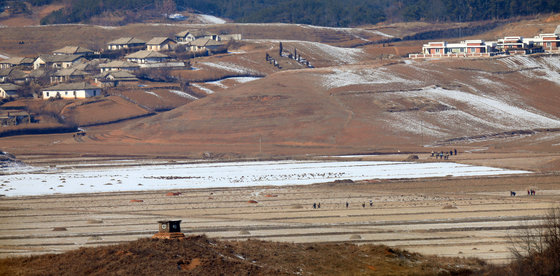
318 205
530 192
444 155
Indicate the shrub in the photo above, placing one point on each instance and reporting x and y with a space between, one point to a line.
536 250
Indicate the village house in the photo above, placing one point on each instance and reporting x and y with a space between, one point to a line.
125 43
68 75
21 62
116 78
13 74
57 61
549 42
147 57
203 44
13 118
8 90
90 66
512 43
74 50
464 47
189 36
160 44
118 65
37 75
77 90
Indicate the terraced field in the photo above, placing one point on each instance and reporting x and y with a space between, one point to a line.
469 216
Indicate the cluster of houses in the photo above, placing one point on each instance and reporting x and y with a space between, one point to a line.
509 45
76 72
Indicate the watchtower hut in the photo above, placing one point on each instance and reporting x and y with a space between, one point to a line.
169 229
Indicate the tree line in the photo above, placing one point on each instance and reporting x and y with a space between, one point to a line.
316 12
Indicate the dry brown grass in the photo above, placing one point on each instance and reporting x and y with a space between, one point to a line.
199 255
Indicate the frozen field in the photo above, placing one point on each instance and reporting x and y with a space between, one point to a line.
236 174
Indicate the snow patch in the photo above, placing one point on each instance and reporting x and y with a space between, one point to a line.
152 93
230 67
210 19
346 77
204 89
544 67
380 33
183 94
236 79
484 112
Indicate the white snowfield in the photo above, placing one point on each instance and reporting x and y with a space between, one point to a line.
210 19
234 174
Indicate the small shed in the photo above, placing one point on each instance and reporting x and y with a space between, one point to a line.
169 229
169 226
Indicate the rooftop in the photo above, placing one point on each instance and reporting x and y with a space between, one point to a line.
158 40
71 86
118 64
146 54
9 86
70 50
127 40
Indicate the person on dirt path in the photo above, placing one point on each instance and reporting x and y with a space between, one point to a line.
364 205
314 205
346 204
432 153
319 205
370 203
455 151
451 152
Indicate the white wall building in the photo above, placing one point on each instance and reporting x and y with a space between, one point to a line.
79 90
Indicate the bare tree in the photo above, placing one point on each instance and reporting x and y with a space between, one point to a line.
536 249
166 7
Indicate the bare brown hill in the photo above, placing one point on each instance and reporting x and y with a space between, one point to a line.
365 107
198 255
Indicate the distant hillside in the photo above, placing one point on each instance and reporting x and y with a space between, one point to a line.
315 12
